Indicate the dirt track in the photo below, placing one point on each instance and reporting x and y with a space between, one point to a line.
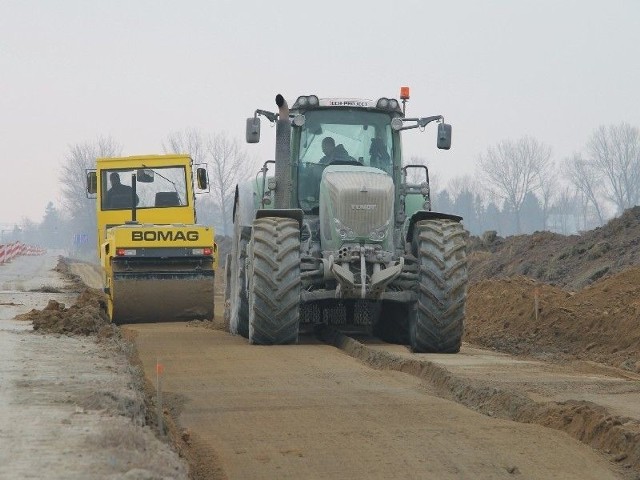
341 408
312 411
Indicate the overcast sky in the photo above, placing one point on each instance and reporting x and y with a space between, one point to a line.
71 71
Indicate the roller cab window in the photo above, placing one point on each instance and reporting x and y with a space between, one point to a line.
154 188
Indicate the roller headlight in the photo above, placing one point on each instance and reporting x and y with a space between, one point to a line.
383 103
393 104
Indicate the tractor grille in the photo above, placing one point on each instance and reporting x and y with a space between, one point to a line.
362 201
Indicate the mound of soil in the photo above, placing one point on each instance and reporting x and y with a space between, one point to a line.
573 261
88 316
599 323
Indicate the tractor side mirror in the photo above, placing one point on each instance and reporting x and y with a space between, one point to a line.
92 183
444 136
144 175
202 179
253 130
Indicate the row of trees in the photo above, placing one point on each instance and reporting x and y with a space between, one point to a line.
518 187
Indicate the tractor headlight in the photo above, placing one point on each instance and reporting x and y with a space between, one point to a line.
344 232
380 233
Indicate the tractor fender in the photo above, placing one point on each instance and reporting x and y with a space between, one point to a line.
244 204
425 215
292 213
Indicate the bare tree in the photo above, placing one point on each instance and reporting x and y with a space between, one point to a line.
588 182
512 169
564 207
463 183
82 156
548 186
614 151
190 142
79 209
228 167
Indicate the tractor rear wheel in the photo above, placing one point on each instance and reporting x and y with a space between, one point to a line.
238 303
274 281
436 322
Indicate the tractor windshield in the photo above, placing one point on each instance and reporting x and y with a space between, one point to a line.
340 136
157 187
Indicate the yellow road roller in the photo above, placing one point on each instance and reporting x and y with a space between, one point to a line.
158 263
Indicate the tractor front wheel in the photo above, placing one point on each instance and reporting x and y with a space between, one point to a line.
437 319
274 281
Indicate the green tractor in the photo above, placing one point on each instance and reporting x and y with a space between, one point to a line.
339 236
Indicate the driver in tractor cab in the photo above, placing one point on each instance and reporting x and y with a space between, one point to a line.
379 156
334 153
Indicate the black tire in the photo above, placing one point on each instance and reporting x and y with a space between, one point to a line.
227 291
274 281
436 323
238 293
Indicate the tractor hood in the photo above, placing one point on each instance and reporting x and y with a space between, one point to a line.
356 206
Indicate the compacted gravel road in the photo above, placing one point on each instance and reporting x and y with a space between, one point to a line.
313 411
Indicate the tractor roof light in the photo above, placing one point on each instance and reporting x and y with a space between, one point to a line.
306 101
390 104
404 93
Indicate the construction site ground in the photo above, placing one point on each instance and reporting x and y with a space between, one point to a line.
547 384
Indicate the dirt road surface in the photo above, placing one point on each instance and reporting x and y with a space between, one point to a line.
70 407
314 411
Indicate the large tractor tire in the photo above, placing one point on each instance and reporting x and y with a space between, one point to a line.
238 304
274 281
436 322
227 291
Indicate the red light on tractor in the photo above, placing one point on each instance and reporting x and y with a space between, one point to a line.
207 250
404 93
120 252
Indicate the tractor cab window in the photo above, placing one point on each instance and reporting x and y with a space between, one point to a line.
157 187
340 137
